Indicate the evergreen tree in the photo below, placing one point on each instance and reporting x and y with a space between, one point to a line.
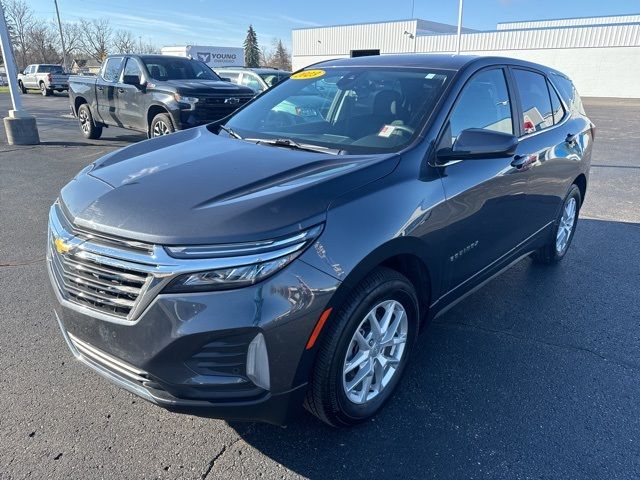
251 49
281 57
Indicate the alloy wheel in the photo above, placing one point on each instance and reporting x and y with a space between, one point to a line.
160 128
375 351
84 121
567 223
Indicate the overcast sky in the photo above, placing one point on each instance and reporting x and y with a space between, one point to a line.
224 23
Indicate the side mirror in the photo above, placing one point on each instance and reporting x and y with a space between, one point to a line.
225 79
478 143
132 80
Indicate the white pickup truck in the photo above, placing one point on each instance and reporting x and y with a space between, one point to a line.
43 77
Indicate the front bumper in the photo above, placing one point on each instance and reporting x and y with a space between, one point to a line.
188 352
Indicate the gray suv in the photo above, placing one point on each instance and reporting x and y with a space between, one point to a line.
265 261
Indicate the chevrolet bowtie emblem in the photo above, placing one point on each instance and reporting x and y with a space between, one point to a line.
62 247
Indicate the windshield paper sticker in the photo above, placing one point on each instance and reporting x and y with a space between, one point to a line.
386 131
307 74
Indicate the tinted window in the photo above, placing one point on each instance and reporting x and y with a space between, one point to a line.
173 68
483 103
132 69
535 101
356 110
556 105
112 69
50 69
568 92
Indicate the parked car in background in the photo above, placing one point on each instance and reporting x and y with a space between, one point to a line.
155 94
262 261
257 79
44 77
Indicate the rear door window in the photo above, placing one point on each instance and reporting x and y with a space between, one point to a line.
112 69
535 101
484 103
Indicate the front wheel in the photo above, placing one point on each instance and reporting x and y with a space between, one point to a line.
365 349
563 230
161 125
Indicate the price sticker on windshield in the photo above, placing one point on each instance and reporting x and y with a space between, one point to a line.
307 74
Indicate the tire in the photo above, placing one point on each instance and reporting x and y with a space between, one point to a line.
559 243
161 125
44 90
327 397
88 128
21 86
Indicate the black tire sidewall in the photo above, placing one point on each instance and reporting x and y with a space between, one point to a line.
574 192
398 290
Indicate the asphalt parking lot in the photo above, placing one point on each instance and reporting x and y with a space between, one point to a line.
537 375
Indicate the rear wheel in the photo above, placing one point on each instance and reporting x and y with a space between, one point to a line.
87 127
44 90
563 230
364 350
21 85
161 125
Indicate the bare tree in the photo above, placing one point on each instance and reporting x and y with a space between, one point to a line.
123 42
146 47
42 44
278 56
20 19
72 33
96 38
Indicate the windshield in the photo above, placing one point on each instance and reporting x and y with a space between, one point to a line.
50 69
172 68
272 78
355 110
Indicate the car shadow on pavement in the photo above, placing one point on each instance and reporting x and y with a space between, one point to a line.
535 375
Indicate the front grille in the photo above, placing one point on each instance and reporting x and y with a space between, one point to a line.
219 107
91 270
99 286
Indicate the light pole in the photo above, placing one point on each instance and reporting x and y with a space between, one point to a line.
459 38
64 50
20 127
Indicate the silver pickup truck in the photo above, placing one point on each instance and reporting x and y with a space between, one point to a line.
43 77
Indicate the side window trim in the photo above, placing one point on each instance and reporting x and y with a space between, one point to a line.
550 86
510 93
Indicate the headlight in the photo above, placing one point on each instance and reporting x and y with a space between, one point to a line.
191 101
245 263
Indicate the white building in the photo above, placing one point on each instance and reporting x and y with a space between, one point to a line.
600 54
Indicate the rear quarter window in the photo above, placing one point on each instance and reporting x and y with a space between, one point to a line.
568 92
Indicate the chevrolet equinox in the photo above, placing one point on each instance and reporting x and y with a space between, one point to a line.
288 256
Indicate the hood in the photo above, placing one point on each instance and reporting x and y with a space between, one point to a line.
205 87
193 187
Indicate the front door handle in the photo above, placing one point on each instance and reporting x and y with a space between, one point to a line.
571 138
100 89
120 90
523 162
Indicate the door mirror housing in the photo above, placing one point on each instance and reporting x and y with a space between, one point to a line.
479 143
134 80
225 79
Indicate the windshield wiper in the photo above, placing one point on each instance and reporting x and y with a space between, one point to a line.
230 131
289 143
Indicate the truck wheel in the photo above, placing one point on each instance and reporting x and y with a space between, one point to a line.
87 127
21 86
44 90
365 349
161 125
